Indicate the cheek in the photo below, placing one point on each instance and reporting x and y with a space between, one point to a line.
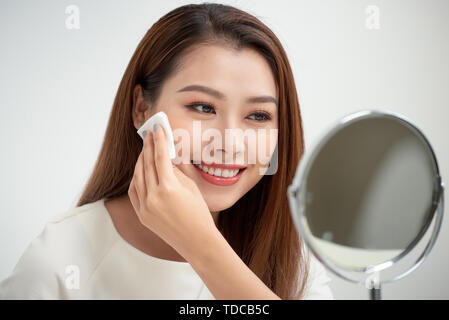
264 147
178 122
272 141
182 136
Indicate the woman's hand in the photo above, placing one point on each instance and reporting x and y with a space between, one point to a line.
167 201
170 204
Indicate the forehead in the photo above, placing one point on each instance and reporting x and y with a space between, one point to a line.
232 72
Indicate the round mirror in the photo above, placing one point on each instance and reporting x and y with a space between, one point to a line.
366 194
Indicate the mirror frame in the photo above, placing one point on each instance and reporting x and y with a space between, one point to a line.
437 207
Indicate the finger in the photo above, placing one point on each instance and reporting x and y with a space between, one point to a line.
139 178
151 178
161 156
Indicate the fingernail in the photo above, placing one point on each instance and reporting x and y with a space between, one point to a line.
155 127
144 133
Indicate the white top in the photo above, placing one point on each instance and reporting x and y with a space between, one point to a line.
80 255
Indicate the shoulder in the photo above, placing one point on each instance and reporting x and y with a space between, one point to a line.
69 241
317 287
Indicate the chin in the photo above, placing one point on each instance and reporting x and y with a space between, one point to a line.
218 203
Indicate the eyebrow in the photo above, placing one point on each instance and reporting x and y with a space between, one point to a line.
219 95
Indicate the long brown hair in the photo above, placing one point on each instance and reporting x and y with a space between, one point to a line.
258 226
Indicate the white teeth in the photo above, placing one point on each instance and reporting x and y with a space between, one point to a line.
218 172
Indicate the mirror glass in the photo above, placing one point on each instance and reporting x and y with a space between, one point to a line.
367 194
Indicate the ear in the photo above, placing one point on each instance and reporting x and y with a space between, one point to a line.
140 108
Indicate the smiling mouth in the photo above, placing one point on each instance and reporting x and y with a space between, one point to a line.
223 173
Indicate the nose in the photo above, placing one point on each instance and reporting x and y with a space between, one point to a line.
234 146
235 151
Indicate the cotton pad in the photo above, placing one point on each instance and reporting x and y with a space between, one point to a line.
162 119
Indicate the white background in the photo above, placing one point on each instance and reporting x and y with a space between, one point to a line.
57 88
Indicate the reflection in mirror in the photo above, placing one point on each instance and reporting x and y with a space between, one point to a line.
378 202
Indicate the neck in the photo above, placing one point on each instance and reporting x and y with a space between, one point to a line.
134 232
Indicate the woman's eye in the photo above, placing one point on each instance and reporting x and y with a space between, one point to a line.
262 116
204 106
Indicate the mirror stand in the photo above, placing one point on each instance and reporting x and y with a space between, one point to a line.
373 284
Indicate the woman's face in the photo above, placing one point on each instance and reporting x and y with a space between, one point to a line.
236 76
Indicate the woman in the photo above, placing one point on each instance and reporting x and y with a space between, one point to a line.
147 229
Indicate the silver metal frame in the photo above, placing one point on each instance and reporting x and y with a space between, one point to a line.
437 203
